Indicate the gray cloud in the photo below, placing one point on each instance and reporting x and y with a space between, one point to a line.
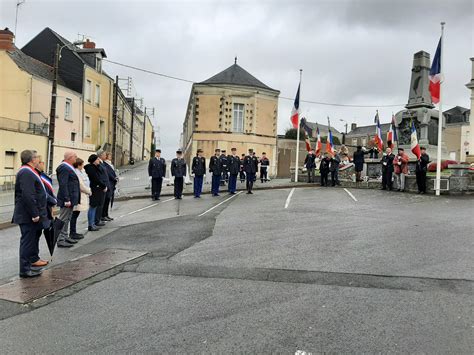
354 52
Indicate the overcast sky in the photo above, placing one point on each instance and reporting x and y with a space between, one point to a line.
351 52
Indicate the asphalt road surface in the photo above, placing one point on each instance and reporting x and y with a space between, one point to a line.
308 270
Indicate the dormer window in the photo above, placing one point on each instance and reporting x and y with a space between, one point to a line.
98 64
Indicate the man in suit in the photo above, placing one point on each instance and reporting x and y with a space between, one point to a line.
387 169
421 168
112 180
69 195
324 169
310 165
198 168
264 164
334 168
156 172
215 168
251 169
233 166
178 170
30 211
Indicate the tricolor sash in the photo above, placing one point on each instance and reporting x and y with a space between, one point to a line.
31 170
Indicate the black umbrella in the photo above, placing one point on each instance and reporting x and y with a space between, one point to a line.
51 234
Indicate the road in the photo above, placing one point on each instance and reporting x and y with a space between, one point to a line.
283 271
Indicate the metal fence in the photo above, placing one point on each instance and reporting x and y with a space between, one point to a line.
23 126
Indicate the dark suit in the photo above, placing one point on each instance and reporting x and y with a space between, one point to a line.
198 168
310 165
387 171
112 182
233 166
421 168
251 169
215 167
178 170
264 164
224 177
30 201
69 191
157 171
324 170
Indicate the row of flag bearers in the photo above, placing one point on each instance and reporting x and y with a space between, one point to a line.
223 169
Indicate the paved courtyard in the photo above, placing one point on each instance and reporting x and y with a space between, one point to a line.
281 271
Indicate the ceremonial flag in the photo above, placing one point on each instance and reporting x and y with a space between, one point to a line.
295 113
392 134
319 144
435 75
329 143
378 133
306 127
415 148
307 142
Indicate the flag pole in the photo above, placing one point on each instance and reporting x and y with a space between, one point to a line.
298 134
440 119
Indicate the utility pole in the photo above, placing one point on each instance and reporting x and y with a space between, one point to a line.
52 112
114 120
131 129
144 128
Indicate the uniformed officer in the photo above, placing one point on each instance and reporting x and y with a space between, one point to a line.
223 159
198 168
178 170
251 169
215 167
242 172
156 172
233 166
264 164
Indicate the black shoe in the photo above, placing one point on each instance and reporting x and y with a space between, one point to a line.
76 236
64 244
93 229
383 188
31 273
71 241
249 193
100 224
108 219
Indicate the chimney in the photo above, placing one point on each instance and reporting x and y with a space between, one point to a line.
353 126
88 44
6 40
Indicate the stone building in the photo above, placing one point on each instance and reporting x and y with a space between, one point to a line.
364 135
457 133
231 109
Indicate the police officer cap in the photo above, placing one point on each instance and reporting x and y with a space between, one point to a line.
223 150
250 150
158 150
179 151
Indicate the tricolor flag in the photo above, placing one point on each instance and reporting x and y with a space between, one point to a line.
435 75
415 147
329 144
307 142
378 133
319 144
392 134
295 112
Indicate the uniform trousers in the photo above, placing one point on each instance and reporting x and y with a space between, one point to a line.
250 179
198 180
216 180
232 183
421 181
156 187
263 174
178 186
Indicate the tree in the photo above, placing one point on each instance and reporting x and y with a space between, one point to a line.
291 133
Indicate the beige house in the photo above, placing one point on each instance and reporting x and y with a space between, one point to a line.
456 135
470 132
231 109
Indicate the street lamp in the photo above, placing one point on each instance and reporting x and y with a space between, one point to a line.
344 134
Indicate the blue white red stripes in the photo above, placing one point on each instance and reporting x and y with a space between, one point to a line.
392 136
295 112
415 147
435 75
319 144
378 133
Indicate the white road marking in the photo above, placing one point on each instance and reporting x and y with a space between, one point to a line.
147 207
287 203
220 203
351 195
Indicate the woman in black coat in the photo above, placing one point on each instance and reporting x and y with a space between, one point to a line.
98 189
358 159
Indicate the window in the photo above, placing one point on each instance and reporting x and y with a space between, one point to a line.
10 160
98 64
73 136
102 131
238 119
87 126
354 141
67 110
88 90
97 95
364 142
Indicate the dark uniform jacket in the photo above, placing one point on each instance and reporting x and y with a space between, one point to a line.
157 167
358 159
233 164
422 164
215 165
69 190
324 165
30 198
264 163
387 162
309 161
198 166
223 159
178 167
251 164
96 184
334 163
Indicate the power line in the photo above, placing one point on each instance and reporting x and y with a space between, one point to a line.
281 97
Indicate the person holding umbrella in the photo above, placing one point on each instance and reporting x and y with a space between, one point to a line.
98 190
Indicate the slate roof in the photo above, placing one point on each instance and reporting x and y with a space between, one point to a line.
457 114
32 65
368 130
322 127
236 75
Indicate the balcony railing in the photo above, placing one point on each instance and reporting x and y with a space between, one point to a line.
9 124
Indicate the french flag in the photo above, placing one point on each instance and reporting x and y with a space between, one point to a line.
392 134
319 144
329 144
435 75
307 142
378 133
295 112
415 147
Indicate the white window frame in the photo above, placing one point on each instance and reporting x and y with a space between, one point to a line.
97 95
68 111
98 64
87 126
88 91
238 117
355 141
